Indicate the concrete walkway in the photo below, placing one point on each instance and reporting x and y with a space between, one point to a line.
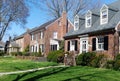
30 70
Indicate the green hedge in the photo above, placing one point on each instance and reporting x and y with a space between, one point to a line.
85 59
56 56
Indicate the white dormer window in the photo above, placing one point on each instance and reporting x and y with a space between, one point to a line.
88 20
76 22
104 15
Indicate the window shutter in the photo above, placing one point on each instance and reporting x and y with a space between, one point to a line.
106 43
68 45
75 45
93 44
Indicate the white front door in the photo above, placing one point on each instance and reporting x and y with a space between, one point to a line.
72 45
83 45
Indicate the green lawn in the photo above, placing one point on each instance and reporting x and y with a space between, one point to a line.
78 73
8 64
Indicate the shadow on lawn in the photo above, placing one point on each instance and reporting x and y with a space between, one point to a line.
80 77
88 77
54 71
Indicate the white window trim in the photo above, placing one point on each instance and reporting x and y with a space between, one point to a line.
101 20
76 22
72 47
55 35
32 37
97 49
86 18
41 35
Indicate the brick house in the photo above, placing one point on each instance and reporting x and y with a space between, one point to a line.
19 43
97 30
48 36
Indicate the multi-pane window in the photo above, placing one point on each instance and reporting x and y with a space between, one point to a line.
55 35
104 14
32 37
100 43
41 35
53 47
84 46
76 22
76 25
41 48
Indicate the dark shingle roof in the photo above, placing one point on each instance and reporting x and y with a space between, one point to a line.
14 44
114 18
43 25
36 28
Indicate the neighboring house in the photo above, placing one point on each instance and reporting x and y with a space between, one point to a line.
23 40
98 30
48 36
18 44
2 46
13 47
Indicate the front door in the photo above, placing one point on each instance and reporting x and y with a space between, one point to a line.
83 45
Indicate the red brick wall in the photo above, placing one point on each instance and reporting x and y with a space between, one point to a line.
55 27
66 44
27 39
113 43
110 51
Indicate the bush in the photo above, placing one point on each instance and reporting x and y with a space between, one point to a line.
98 61
85 59
2 53
79 59
37 54
14 53
110 64
117 62
56 56
117 65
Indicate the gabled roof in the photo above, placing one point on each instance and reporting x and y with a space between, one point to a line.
43 25
36 28
14 44
114 18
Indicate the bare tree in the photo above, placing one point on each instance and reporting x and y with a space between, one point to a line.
72 7
12 11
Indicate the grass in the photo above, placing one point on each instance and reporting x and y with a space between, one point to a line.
8 64
77 73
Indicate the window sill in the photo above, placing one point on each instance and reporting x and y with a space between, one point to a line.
100 50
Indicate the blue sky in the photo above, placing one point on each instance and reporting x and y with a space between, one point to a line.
36 18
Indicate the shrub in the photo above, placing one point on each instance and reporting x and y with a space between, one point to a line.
14 53
117 62
117 65
2 53
56 56
99 61
110 64
20 53
37 54
85 59
79 59
27 48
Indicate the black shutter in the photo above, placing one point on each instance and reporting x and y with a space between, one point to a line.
106 43
68 45
93 44
75 45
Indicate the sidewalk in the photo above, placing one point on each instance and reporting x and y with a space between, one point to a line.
30 70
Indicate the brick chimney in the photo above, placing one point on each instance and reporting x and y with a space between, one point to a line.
64 23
